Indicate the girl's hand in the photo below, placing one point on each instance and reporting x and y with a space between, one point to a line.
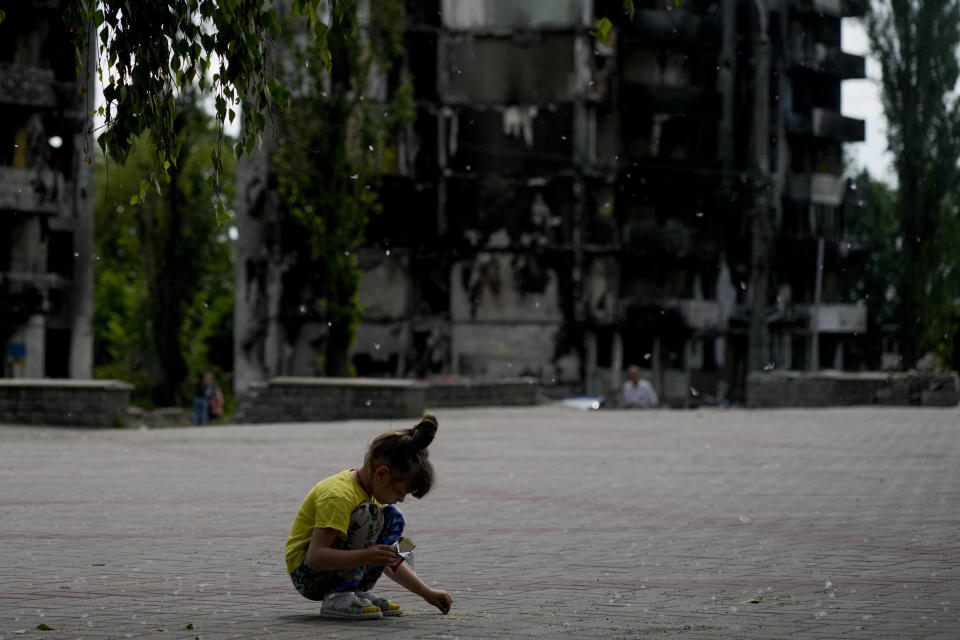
440 599
381 555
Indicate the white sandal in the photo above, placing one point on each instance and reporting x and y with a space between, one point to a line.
346 605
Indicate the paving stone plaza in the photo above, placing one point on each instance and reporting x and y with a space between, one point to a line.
547 522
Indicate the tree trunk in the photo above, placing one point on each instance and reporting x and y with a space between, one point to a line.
915 43
759 337
170 298
909 276
337 364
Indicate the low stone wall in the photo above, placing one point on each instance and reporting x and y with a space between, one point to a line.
159 417
319 399
838 388
459 392
86 403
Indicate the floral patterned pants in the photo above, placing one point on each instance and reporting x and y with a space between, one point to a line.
369 525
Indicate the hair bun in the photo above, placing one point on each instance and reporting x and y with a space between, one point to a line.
424 431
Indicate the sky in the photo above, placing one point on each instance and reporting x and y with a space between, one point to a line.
861 99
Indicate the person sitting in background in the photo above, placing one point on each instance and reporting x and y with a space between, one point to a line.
637 392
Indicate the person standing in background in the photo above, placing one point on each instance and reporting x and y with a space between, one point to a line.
214 396
201 402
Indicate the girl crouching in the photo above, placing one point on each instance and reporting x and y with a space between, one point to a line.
346 532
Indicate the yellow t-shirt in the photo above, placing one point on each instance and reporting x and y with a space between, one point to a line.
329 504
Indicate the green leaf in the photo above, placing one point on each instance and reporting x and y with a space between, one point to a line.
602 32
268 18
221 213
189 626
630 9
45 627
134 200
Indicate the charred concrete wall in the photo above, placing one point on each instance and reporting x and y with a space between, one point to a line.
490 285
46 199
565 207
278 330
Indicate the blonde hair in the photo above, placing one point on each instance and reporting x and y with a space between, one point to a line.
405 451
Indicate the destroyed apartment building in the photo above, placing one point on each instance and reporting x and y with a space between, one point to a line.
46 199
573 202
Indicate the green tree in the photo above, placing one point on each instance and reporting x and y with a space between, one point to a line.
942 285
916 43
336 142
148 52
163 282
873 228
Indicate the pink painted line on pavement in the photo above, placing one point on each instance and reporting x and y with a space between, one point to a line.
135 535
501 585
143 593
667 519
654 519
273 499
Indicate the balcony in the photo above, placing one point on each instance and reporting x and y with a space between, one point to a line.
817 188
673 242
32 190
28 87
835 8
510 140
501 70
469 15
825 123
25 279
838 318
702 315
797 250
680 100
832 124
673 315
833 61
26 294
653 26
